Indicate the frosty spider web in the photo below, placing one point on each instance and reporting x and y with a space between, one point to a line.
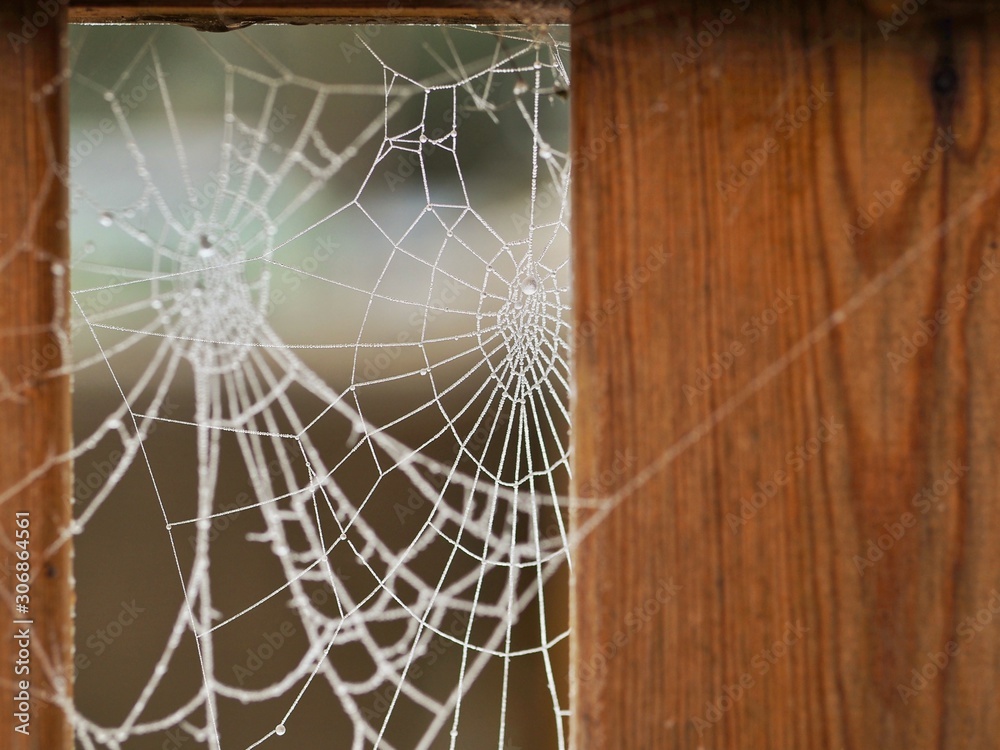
334 355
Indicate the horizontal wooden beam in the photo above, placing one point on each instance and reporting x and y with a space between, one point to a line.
224 15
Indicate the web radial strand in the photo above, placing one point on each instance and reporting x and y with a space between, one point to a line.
321 329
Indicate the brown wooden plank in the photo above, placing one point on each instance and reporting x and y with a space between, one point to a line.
34 406
220 15
901 429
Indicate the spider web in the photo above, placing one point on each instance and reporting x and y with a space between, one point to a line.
339 383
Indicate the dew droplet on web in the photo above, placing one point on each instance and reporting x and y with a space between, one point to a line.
529 286
279 730
206 250
107 219
521 87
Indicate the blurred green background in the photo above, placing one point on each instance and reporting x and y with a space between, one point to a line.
125 568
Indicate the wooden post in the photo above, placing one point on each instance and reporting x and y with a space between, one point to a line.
800 403
34 405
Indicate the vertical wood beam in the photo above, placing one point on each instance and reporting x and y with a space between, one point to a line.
800 406
34 402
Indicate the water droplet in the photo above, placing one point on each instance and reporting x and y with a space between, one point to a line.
521 87
451 233
519 303
107 219
161 669
538 65
343 537
156 304
423 138
530 285
279 730
229 117
58 269
206 250
545 152
423 370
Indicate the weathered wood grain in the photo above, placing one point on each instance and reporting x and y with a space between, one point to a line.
220 15
34 406
912 408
